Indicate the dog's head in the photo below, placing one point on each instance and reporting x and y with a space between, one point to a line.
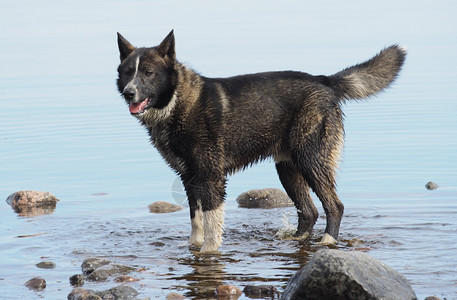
147 76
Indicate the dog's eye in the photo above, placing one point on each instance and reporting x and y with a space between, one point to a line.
148 73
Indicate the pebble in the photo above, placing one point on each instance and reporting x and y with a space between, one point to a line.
46 265
160 207
125 278
77 280
228 290
175 296
261 291
264 198
431 186
36 283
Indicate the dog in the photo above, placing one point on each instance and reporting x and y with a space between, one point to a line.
206 128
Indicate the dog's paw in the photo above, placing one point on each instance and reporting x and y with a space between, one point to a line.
196 240
327 240
209 248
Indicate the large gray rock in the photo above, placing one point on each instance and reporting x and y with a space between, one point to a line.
99 269
334 274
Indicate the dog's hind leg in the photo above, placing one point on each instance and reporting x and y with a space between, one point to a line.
317 157
298 190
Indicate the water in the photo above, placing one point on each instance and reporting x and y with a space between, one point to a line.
64 129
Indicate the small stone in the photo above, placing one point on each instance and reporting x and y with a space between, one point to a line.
160 207
36 283
264 198
77 280
432 298
83 294
32 203
354 243
228 290
90 264
46 265
118 292
431 186
125 278
260 291
175 296
103 272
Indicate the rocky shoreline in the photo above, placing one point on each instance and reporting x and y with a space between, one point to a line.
329 274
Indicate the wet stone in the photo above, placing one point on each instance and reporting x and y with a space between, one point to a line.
160 207
90 264
264 198
32 203
77 280
431 186
336 274
36 283
118 292
83 294
103 272
175 296
260 291
125 278
228 292
46 265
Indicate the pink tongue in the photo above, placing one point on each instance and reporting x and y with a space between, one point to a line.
137 107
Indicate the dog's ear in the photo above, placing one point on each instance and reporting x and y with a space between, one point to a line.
125 48
167 47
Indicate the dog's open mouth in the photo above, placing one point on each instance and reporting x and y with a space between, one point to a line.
138 108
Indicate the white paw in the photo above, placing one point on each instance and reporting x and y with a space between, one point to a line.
327 239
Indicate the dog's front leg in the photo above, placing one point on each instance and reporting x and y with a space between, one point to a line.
212 194
196 216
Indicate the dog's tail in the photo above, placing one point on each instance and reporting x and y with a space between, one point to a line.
370 77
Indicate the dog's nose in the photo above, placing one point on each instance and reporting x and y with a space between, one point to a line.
129 94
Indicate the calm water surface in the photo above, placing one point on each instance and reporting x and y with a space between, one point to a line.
64 129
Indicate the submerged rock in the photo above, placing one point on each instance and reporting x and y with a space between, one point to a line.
99 269
431 186
83 294
36 283
335 274
175 296
118 292
46 265
77 280
228 292
32 203
264 198
260 291
160 207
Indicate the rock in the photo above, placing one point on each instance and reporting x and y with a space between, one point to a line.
46 265
335 274
77 280
228 290
118 292
264 198
125 278
431 186
260 291
89 265
161 207
32 203
103 272
175 296
83 294
36 283
432 298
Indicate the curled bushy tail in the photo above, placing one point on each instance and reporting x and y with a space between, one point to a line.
370 77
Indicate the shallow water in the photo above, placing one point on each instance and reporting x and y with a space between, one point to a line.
64 129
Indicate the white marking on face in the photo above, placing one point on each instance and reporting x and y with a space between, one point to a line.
131 84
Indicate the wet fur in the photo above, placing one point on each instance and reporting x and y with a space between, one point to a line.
206 128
